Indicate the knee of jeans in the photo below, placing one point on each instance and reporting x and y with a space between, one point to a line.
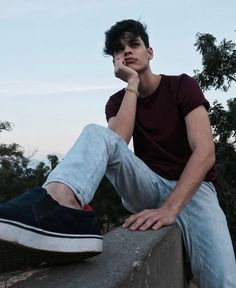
103 133
95 129
92 126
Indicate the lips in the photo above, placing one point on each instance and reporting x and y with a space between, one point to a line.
129 60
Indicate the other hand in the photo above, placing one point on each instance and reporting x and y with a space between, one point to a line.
150 218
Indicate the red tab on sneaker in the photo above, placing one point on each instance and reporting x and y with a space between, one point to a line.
87 207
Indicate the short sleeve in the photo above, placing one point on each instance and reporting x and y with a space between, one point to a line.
190 95
113 104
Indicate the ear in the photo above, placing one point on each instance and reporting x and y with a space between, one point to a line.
150 53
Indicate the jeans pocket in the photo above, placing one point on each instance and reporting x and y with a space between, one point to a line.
211 186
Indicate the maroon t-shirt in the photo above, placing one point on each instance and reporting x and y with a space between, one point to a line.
160 138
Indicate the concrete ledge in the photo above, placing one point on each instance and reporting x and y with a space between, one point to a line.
130 260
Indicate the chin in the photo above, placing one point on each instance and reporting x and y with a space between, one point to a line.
133 66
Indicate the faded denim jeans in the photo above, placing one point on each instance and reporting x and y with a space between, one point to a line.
99 151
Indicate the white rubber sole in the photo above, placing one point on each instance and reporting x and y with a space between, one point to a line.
34 238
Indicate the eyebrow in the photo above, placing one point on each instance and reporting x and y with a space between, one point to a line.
129 39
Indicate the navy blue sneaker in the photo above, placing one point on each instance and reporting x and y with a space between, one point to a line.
35 229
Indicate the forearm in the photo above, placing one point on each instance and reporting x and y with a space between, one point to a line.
193 175
123 123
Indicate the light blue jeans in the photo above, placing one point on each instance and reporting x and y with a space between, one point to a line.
99 151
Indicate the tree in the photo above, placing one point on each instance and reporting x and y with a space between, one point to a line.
5 126
16 173
53 159
224 131
219 62
219 72
107 204
13 166
224 122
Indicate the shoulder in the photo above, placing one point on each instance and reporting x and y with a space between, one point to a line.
182 84
113 103
188 93
175 83
116 98
178 79
118 95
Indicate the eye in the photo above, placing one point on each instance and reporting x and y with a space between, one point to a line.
119 48
135 44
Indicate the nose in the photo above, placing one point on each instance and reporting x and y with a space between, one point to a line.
127 50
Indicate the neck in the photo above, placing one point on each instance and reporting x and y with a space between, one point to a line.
149 82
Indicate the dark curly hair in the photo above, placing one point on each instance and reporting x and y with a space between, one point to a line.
115 33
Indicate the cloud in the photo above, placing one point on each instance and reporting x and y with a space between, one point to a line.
15 88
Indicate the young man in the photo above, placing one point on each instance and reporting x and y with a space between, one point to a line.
169 178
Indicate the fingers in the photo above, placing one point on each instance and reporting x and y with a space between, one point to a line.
158 225
118 61
118 65
136 220
143 221
154 218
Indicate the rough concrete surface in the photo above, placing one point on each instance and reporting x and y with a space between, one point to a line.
130 260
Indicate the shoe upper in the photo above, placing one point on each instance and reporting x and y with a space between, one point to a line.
37 209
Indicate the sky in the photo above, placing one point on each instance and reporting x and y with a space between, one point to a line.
54 78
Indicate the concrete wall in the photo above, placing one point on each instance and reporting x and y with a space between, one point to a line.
151 259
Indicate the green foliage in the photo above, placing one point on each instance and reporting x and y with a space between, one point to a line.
53 159
13 166
224 122
16 174
219 72
108 206
224 132
219 62
5 126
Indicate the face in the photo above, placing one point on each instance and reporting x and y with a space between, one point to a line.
134 52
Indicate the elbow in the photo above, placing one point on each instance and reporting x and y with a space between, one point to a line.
206 156
210 157
126 137
123 128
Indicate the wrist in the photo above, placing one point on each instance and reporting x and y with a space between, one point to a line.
133 85
133 82
132 90
172 206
